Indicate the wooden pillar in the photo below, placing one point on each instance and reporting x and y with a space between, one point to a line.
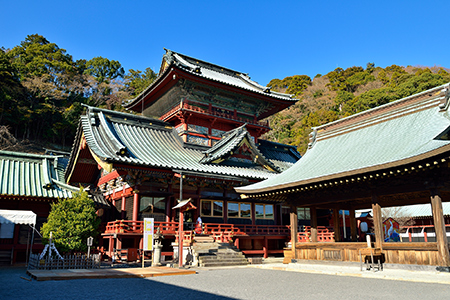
225 211
180 239
377 222
313 214
111 246
123 208
118 242
336 223
253 213
266 247
439 228
294 229
353 228
135 206
168 209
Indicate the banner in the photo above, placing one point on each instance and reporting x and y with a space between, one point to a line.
148 234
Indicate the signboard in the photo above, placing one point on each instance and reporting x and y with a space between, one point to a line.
148 234
391 230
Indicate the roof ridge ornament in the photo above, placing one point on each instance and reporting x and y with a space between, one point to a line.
312 137
445 93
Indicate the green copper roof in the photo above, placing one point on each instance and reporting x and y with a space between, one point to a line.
230 142
31 175
392 135
213 73
121 138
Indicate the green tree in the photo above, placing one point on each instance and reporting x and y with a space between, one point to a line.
104 69
71 222
136 81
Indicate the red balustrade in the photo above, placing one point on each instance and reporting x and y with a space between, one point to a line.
221 113
225 232
324 234
220 232
125 226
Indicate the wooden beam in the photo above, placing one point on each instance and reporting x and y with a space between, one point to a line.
353 225
336 223
377 222
313 213
439 227
294 229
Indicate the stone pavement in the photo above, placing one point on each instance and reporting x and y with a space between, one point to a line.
413 273
427 274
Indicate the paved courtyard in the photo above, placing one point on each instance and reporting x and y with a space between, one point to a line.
229 283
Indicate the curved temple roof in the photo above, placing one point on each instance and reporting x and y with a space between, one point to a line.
211 72
32 175
395 134
148 142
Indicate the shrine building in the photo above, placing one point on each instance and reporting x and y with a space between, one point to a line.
396 154
30 183
194 133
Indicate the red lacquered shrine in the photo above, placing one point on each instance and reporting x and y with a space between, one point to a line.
197 135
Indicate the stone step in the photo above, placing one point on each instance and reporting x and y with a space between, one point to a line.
222 264
224 261
203 239
211 257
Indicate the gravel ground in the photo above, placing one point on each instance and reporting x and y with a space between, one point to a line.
227 283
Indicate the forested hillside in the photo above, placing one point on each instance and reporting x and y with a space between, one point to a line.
42 88
341 93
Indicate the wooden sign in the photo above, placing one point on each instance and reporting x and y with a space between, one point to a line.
148 233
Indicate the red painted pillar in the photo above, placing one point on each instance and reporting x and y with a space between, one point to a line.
180 240
111 246
123 207
266 247
135 206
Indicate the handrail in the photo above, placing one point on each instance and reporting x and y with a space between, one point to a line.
324 234
220 232
230 115
126 226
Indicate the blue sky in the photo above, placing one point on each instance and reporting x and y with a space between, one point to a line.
267 39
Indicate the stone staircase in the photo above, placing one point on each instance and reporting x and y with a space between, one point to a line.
208 253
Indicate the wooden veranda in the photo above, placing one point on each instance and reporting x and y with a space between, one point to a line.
397 154
250 239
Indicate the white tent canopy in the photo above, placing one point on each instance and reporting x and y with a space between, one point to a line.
17 217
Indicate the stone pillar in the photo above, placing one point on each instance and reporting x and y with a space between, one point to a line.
439 227
377 222
294 229
336 223
313 213
353 232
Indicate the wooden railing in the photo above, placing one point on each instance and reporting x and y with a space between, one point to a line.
225 232
324 234
220 232
125 226
229 114
264 229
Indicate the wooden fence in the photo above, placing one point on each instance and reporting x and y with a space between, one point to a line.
68 262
